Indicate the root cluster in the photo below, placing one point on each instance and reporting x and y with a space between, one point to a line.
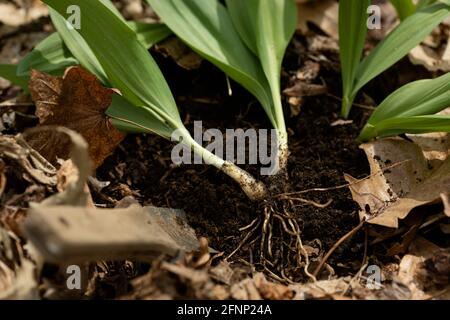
275 244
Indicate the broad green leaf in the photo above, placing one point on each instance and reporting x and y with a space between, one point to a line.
9 72
126 62
77 45
129 118
413 125
400 41
404 8
52 55
417 99
423 3
207 28
267 27
150 34
352 34
422 97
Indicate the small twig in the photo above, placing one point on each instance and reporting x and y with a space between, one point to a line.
343 185
11 105
364 263
336 245
247 236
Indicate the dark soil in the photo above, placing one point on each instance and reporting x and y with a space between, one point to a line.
214 204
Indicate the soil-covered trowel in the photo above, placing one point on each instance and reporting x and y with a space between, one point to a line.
64 229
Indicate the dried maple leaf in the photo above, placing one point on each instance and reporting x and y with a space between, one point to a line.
77 101
404 175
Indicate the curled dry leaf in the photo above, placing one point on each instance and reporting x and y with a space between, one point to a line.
15 149
77 101
404 175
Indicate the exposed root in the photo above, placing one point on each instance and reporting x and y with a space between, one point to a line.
336 245
277 237
309 202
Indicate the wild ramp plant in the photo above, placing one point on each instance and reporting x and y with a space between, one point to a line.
411 109
53 56
108 47
405 8
356 73
245 39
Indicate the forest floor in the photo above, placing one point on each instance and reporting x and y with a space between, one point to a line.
323 148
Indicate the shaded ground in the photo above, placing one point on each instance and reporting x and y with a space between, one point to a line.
321 152
215 206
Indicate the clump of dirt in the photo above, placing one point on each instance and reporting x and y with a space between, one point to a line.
214 204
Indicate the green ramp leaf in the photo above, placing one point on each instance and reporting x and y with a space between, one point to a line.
9 72
52 56
352 35
126 63
404 8
412 105
207 28
399 42
267 27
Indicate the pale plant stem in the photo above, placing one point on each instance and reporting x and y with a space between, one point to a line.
253 188
280 125
283 151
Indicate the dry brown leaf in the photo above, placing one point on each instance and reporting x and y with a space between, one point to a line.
434 52
77 101
323 13
404 175
31 162
245 290
422 268
430 58
68 175
22 13
270 290
17 272
180 53
324 289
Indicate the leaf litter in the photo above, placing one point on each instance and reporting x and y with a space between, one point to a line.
77 101
404 175
205 274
